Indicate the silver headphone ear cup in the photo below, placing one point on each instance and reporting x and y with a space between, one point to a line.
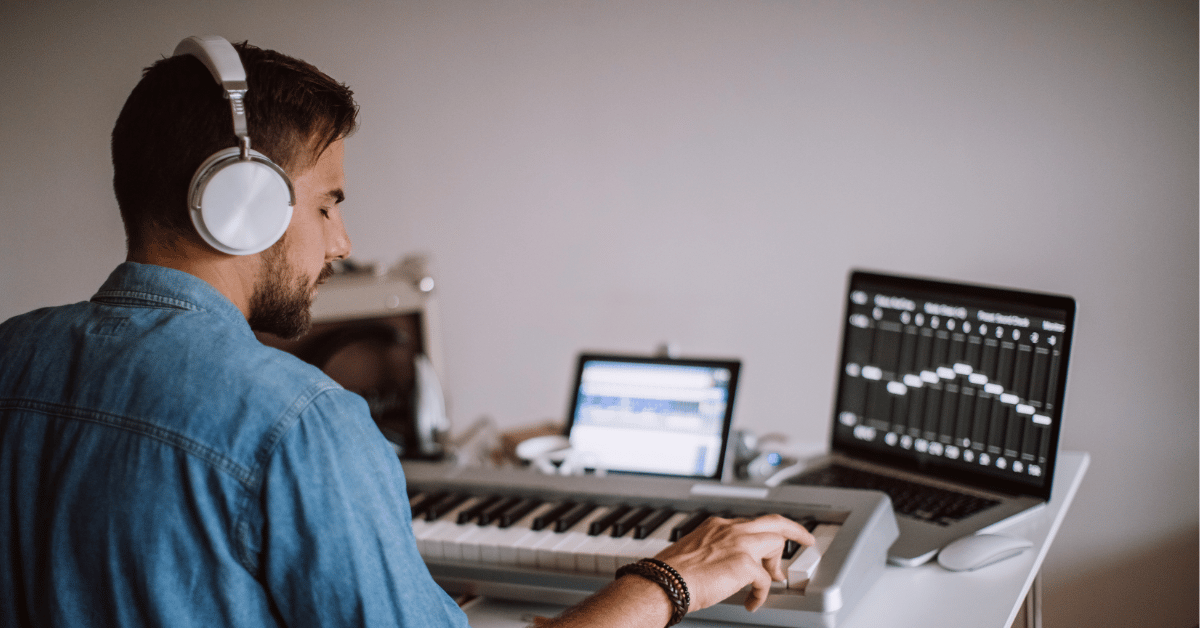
240 206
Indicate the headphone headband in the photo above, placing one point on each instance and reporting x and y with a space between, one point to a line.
239 200
222 60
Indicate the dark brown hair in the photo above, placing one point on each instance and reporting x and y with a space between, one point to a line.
177 116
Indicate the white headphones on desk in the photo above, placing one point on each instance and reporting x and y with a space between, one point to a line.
239 200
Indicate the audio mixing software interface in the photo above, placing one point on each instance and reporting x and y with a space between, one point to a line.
661 416
973 382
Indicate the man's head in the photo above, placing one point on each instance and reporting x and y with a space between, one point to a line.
177 116
292 269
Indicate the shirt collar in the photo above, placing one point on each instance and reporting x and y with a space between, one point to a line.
147 285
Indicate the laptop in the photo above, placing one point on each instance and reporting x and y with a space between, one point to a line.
652 415
950 400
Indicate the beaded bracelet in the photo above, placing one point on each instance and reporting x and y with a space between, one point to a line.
666 577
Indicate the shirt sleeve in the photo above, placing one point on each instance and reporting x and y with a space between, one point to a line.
337 542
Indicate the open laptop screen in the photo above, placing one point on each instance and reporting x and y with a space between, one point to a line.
955 380
652 415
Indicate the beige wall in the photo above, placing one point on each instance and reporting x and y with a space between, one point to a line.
609 175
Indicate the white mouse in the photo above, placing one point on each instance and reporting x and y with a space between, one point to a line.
980 550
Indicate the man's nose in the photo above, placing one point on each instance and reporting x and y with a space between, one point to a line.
338 241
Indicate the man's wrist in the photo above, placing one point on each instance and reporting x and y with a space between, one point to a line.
655 607
667 580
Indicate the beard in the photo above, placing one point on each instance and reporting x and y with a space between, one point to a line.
282 305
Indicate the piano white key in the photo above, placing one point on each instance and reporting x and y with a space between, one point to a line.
469 545
418 528
564 558
528 546
430 529
561 555
611 552
460 545
492 538
585 554
421 529
796 569
802 568
596 554
499 545
824 534
465 546
635 550
431 540
418 521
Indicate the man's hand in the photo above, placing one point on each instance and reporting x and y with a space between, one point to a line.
723 555
715 561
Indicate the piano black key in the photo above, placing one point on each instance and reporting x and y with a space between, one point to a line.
600 525
569 551
807 521
552 515
478 509
519 510
419 509
572 517
695 519
790 548
416 496
492 514
444 506
631 519
651 523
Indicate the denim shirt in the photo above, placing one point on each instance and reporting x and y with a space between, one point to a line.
161 467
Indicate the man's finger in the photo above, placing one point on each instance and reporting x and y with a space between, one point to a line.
773 565
778 524
759 589
773 560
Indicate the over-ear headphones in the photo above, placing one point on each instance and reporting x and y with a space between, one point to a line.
239 200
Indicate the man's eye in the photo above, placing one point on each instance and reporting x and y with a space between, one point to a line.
324 213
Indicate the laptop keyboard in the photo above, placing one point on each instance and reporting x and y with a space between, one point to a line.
920 501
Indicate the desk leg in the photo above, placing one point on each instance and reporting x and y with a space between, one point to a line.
1033 603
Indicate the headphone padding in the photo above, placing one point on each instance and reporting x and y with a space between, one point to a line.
240 206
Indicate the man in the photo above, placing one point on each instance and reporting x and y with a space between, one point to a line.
159 466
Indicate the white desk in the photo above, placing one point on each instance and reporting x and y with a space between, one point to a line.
931 596
926 596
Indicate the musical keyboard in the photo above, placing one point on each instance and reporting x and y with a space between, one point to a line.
519 535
